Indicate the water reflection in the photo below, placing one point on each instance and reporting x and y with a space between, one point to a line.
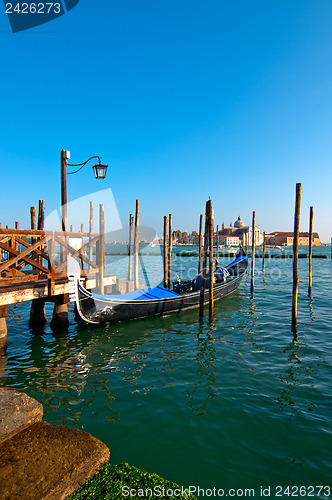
203 390
3 362
251 329
311 311
297 380
291 378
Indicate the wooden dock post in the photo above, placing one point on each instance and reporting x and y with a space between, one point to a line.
296 256
211 270
205 250
37 317
3 327
136 244
165 251
264 245
130 250
200 243
41 215
60 313
41 220
170 248
253 244
33 221
311 218
37 314
33 217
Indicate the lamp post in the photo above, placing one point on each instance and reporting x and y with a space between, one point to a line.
60 312
99 171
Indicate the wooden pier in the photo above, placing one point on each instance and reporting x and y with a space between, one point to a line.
33 268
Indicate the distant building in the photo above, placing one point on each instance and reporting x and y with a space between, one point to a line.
242 232
236 234
286 239
227 240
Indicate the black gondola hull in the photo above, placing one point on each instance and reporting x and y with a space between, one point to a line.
100 309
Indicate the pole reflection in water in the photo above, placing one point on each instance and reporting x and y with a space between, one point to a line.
203 390
297 379
312 312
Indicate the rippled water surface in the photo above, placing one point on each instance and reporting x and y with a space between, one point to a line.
236 403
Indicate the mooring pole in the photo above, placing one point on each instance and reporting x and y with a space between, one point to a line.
217 259
200 243
263 263
170 248
296 256
136 245
253 243
211 228
205 250
165 251
130 252
311 218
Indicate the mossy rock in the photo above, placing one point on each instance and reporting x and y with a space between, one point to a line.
115 482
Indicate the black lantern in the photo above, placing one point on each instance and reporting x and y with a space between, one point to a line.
100 170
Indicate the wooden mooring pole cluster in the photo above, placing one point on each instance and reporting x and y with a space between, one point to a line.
37 248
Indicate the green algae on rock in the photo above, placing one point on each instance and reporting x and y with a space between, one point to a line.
123 480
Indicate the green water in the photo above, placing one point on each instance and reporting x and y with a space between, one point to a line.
236 403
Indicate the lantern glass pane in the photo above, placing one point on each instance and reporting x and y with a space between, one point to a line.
100 171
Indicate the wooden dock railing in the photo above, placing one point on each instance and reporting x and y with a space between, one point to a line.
27 255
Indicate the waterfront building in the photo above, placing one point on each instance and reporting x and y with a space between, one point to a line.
227 240
239 230
236 234
286 239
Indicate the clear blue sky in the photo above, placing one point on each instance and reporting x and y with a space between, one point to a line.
183 99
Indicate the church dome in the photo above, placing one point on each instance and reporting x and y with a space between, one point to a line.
239 223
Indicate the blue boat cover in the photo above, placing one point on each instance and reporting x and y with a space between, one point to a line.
236 261
158 292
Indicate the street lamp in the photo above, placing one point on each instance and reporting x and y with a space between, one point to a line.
99 170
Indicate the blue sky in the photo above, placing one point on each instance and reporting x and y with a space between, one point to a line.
183 99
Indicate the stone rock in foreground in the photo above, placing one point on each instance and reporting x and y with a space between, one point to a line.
17 411
48 462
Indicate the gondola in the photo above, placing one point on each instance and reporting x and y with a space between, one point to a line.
158 301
